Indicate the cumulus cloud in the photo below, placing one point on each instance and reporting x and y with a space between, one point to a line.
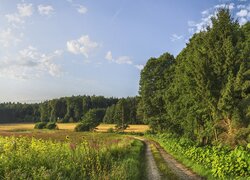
8 38
118 60
30 64
175 37
84 45
14 18
45 9
23 10
242 13
122 60
82 9
229 6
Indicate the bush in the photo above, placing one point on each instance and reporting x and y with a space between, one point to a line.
40 125
82 127
51 125
110 130
46 125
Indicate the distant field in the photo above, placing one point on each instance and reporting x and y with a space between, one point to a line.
70 126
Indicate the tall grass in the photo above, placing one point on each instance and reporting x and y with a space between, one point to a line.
30 158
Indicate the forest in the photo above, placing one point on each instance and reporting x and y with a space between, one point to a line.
72 109
204 93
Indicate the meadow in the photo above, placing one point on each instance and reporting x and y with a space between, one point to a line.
64 154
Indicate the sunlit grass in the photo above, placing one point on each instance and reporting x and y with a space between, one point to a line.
70 126
69 155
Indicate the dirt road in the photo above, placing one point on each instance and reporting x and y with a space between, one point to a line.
177 168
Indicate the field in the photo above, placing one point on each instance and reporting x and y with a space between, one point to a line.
70 126
65 154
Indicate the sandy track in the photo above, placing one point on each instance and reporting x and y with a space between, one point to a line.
177 168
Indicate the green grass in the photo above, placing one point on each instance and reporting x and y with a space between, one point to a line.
70 155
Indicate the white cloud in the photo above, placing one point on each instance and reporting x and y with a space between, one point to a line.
240 6
175 37
8 38
229 6
123 60
109 56
205 12
45 9
14 18
25 10
82 9
242 21
139 66
83 45
118 60
30 64
242 13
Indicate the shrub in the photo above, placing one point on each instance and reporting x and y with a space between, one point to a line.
46 125
51 125
82 127
40 125
110 130
90 120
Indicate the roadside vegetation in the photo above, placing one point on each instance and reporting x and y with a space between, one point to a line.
213 162
91 157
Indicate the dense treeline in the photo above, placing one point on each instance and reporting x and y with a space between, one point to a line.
124 111
203 94
73 109
17 112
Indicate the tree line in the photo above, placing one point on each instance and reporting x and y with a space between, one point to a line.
72 109
203 93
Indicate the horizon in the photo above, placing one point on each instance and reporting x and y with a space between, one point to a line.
51 50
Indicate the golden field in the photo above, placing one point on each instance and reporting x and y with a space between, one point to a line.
70 126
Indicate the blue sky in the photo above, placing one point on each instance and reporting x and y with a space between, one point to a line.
50 49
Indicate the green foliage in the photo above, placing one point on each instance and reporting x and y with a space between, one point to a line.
155 78
124 110
220 161
51 125
40 125
82 127
91 119
203 94
110 130
23 158
46 125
